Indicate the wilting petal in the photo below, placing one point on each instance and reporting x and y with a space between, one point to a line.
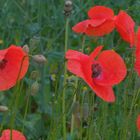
16 135
125 26
138 123
137 53
100 12
113 68
13 66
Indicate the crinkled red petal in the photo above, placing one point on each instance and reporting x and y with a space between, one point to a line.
81 27
113 68
100 12
138 123
75 62
81 64
125 26
16 135
137 53
16 66
104 92
105 28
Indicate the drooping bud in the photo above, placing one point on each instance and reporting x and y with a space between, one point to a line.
26 48
34 88
39 58
68 8
3 108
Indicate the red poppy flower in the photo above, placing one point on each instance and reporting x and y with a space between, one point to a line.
16 135
101 22
125 26
138 123
14 64
100 70
137 53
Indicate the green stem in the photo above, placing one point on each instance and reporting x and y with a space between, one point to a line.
64 83
17 95
26 110
76 85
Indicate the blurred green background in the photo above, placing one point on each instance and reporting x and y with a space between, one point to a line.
41 25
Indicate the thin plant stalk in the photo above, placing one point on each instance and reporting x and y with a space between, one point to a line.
64 83
76 84
17 95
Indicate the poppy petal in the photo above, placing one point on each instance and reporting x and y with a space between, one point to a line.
103 29
75 68
13 66
138 123
104 92
81 27
87 65
125 26
94 27
81 64
75 55
137 61
16 135
75 61
113 68
100 12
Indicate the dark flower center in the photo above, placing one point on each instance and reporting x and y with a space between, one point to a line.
3 63
96 70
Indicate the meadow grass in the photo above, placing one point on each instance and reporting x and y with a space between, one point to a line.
64 107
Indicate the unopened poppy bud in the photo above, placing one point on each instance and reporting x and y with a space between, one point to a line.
34 75
67 7
39 58
1 41
3 108
85 88
85 111
26 49
34 88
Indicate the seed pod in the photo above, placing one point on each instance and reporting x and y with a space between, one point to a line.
34 88
39 58
26 48
3 108
68 8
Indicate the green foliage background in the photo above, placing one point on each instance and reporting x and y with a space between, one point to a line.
40 24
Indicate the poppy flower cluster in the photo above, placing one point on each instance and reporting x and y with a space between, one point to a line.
14 64
102 21
16 135
100 70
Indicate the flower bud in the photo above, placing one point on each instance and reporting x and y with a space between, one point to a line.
26 48
67 7
3 108
34 75
34 88
39 58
